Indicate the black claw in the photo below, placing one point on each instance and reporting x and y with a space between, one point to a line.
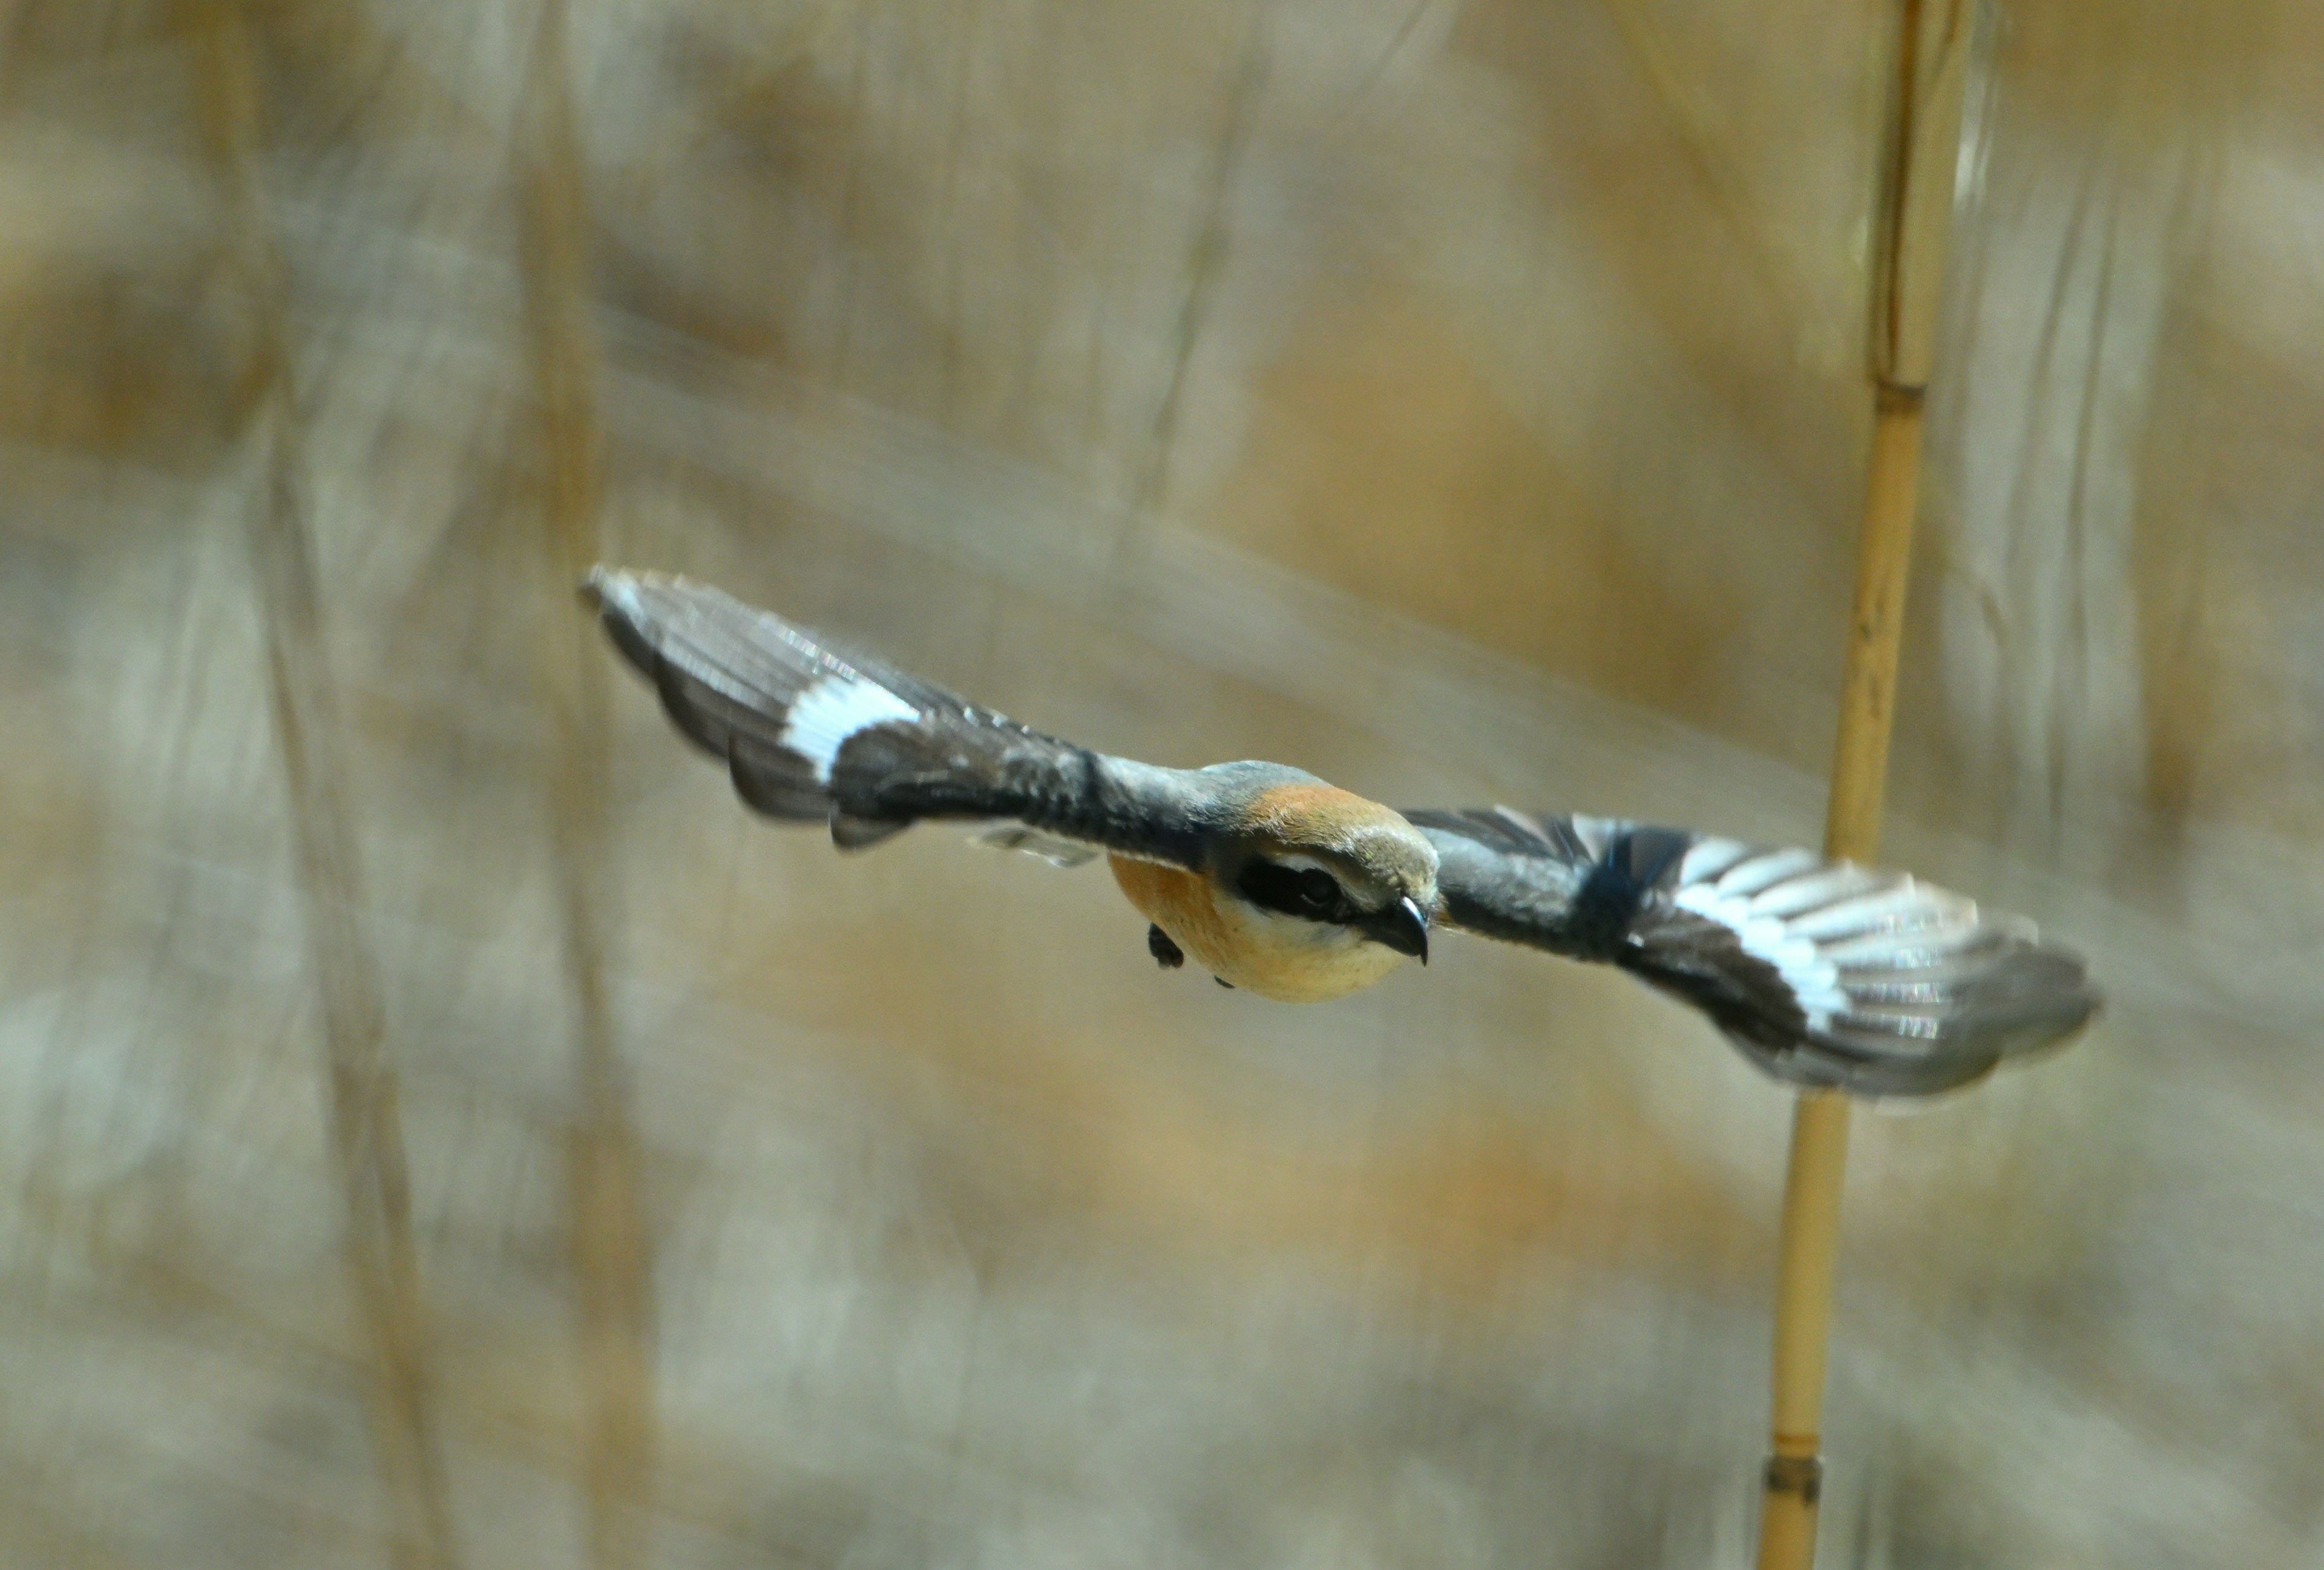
1166 954
1223 982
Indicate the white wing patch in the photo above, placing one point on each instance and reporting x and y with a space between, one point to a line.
1707 858
834 709
1751 895
1819 923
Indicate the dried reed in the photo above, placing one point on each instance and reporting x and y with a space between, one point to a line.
1932 68
606 1211
366 1132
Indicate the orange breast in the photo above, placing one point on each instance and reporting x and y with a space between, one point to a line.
1294 962
1179 903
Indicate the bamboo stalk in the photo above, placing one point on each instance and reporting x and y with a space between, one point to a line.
366 1131
606 1210
1931 69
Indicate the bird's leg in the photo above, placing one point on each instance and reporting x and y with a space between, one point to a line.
1166 954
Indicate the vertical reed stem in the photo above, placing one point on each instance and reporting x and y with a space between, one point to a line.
366 1131
604 1183
1932 68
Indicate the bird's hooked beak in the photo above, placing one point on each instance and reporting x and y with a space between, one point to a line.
1403 927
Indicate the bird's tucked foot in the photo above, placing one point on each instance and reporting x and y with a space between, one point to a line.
1166 954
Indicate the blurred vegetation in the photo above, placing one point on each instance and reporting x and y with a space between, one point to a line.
1464 401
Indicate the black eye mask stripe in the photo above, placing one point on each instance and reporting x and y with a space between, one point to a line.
1307 892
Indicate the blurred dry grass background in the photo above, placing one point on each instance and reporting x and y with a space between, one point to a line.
1463 401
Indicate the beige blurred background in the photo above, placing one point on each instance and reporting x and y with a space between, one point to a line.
1463 400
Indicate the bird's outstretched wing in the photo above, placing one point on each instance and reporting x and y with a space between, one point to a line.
1823 972
813 731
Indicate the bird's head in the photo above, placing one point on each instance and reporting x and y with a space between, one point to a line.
1323 890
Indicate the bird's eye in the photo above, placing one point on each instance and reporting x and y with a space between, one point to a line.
1294 892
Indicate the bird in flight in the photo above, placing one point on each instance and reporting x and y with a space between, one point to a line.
1824 974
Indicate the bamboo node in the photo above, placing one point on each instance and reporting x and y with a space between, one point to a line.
1800 1475
1897 397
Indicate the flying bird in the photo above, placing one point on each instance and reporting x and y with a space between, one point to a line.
1824 974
